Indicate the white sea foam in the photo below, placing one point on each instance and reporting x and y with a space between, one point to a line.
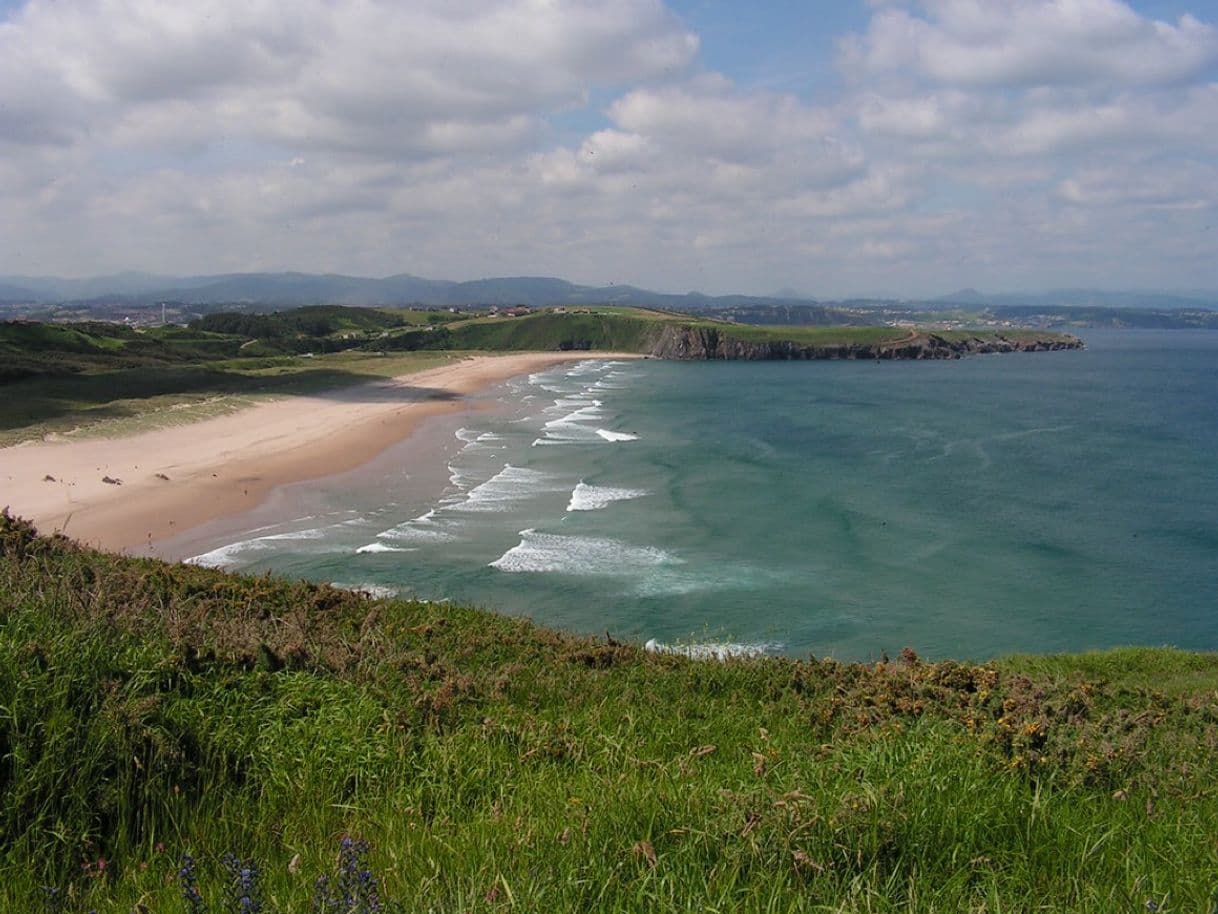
459 477
220 558
572 425
584 369
715 650
565 404
383 547
593 498
315 533
505 488
411 532
273 526
586 413
468 435
224 556
616 437
424 527
545 380
583 555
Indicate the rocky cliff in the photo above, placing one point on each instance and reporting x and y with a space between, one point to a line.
685 342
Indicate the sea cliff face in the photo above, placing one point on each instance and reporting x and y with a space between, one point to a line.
699 343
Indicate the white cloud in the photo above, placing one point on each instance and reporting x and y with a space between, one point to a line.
1148 120
1177 185
419 78
709 116
972 142
998 43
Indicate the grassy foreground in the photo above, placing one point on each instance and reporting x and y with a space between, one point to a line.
151 710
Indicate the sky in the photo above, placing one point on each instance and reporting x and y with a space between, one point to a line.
832 147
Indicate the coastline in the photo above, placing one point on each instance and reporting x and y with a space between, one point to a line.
173 480
417 467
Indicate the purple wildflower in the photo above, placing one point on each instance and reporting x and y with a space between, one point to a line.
355 889
188 880
244 894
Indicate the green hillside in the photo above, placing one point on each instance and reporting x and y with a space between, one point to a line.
29 349
310 325
610 329
603 329
148 711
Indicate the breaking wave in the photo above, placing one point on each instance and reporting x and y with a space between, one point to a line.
716 650
584 555
383 547
225 556
616 436
504 489
424 527
592 498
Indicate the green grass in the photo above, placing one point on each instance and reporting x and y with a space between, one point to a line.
1006 333
1170 672
32 350
146 709
618 329
299 328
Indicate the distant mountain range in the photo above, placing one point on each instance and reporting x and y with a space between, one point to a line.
309 288
288 289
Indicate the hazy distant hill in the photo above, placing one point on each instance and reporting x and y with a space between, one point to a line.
49 288
1086 298
275 290
13 293
283 289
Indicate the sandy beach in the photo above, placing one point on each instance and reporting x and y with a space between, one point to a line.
167 481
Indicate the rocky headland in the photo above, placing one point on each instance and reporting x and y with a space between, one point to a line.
702 343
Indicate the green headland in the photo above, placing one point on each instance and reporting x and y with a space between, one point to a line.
152 711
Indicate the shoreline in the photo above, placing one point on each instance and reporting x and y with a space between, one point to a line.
418 463
174 480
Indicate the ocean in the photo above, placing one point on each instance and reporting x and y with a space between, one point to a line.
1036 502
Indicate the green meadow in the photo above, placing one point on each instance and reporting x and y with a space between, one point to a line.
150 710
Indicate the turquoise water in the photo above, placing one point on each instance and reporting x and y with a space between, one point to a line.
1032 502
